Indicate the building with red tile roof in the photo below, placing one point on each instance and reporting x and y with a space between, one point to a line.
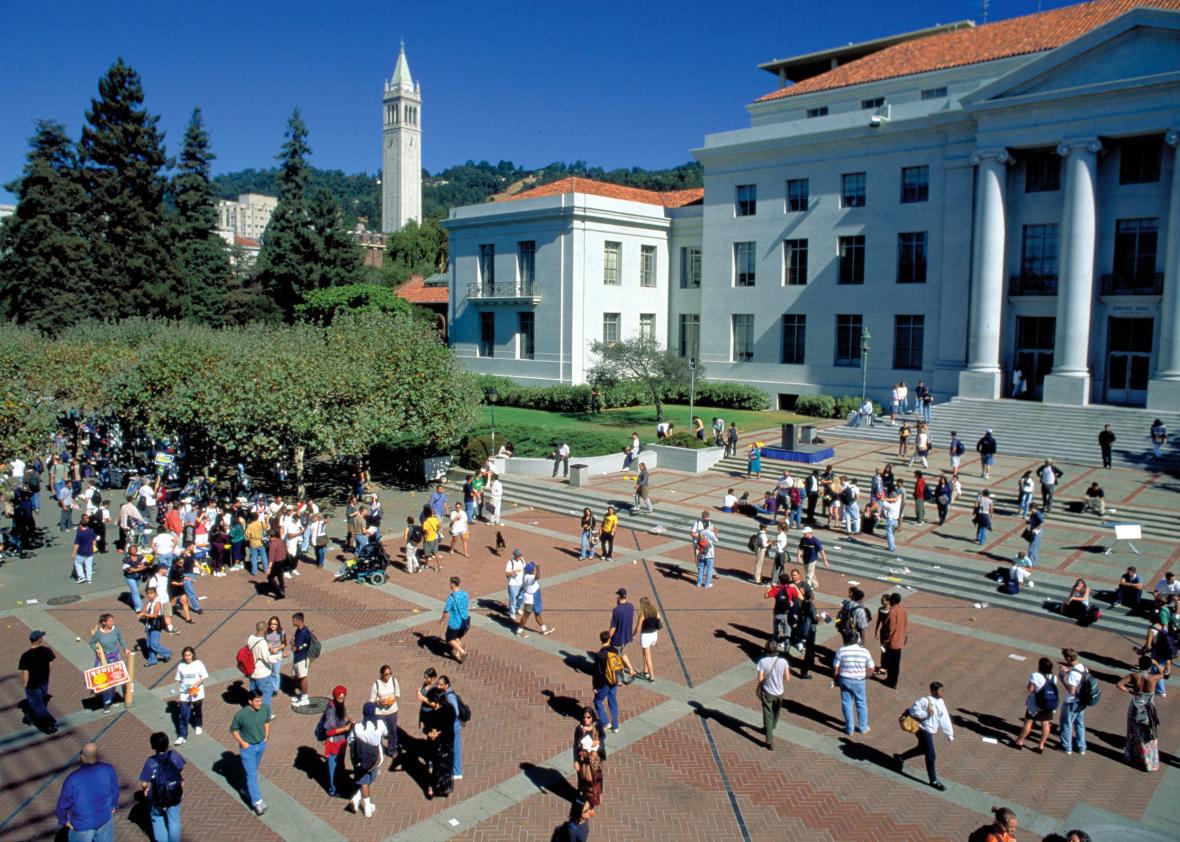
573 184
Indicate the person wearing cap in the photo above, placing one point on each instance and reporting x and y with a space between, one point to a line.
89 799
369 732
458 619
809 552
622 624
932 716
530 594
514 573
986 447
35 664
335 725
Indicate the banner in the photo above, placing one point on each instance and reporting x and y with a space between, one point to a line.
107 676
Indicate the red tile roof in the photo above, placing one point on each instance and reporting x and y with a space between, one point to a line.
1017 36
415 291
246 242
670 199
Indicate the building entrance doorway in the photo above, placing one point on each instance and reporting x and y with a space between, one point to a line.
1128 360
1034 353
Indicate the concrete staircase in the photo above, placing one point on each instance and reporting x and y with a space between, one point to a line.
1028 428
865 561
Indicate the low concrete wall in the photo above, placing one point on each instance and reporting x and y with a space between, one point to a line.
611 463
686 459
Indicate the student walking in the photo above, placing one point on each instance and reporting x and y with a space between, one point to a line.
608 674
161 781
772 675
531 605
333 730
932 717
852 665
109 647
647 627
250 729
190 677
987 448
364 740
458 619
35 665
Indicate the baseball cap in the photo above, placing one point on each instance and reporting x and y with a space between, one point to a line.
517 553
36 635
621 591
807 530
530 567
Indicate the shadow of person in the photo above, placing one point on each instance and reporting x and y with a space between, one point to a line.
672 571
566 706
229 767
548 779
310 762
737 726
865 753
433 643
236 693
578 661
987 725
799 709
750 648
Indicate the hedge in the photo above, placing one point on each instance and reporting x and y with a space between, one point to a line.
827 406
629 393
473 450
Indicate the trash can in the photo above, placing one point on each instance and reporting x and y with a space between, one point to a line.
807 433
579 475
788 437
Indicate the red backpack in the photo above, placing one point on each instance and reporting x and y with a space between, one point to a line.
245 661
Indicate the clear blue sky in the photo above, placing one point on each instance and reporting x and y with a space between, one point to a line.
611 83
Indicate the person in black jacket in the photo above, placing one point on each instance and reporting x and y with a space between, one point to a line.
1106 442
986 446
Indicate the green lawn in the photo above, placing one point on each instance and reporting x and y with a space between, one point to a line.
534 431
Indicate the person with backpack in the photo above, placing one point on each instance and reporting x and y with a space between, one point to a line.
1162 646
853 617
608 675
956 451
255 660
413 536
1075 699
332 730
706 544
1040 704
461 718
987 448
932 717
440 725
162 783
364 742
304 647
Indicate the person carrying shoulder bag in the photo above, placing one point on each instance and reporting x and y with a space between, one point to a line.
925 718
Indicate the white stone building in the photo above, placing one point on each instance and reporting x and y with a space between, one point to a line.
978 199
401 131
247 217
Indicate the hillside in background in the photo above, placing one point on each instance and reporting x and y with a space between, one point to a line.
464 184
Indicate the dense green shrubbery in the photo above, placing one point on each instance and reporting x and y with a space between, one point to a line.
684 439
826 406
628 393
538 443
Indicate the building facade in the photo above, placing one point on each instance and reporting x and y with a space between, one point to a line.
950 205
247 217
401 144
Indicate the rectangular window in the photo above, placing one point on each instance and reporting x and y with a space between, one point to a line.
526 264
647 326
911 257
798 195
822 111
1042 171
647 266
915 184
743 337
487 334
1038 255
745 259
526 347
794 338
851 252
852 190
610 328
487 267
1139 160
848 339
908 335
869 104
795 262
934 93
612 255
1135 244
690 335
690 268
745 201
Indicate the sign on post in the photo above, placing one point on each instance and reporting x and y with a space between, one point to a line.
106 677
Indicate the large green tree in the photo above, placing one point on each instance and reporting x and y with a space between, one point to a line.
417 249
336 256
44 263
285 261
201 255
123 162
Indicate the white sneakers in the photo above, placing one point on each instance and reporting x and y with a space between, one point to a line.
300 701
197 729
179 741
367 808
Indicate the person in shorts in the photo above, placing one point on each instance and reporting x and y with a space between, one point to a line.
455 615
647 626
530 606
430 529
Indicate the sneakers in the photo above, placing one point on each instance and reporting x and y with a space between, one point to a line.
287 575
296 572
370 809
939 785
456 777
615 730
180 741
197 730
259 807
548 630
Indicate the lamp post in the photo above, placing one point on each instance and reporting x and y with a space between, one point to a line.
865 346
692 387
493 396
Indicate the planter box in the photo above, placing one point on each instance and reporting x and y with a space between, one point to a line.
686 459
597 465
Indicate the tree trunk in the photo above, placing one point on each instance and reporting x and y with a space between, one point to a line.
301 492
659 409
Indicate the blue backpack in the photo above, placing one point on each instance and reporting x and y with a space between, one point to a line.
1047 698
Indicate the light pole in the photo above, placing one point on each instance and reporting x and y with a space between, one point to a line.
692 387
493 396
865 346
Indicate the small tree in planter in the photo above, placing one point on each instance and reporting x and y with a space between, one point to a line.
644 361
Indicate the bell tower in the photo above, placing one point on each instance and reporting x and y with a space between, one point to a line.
401 176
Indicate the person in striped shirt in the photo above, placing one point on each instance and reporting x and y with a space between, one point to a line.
853 664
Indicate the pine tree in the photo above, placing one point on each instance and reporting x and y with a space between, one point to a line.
202 258
288 250
337 258
44 268
122 155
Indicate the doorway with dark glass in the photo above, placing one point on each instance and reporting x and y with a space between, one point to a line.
1034 353
1128 359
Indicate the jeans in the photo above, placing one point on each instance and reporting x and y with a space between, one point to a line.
333 761
469 508
852 518
84 568
890 525
108 696
1034 546
106 833
258 560
251 759
35 699
154 649
1073 722
587 547
190 713
514 599
133 592
1023 503
66 521
852 693
705 571
35 498
190 591
267 686
361 541
166 823
926 412
321 554
457 764
981 535
1156 447
612 697
925 746
795 518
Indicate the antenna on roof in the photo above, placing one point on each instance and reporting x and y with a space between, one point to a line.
986 5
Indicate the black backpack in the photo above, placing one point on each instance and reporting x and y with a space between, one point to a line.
753 542
364 755
464 710
1089 693
416 534
1163 645
167 787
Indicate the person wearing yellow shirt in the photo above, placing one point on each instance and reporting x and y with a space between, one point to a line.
254 533
430 529
610 522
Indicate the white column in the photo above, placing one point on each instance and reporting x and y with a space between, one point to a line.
1069 381
1163 392
982 379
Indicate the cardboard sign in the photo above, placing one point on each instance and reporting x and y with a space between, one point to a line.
107 676
163 459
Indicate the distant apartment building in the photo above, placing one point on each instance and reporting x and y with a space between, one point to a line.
247 217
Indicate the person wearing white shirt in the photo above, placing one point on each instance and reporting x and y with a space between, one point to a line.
496 498
1073 715
761 545
932 716
729 501
1168 585
191 676
780 553
866 412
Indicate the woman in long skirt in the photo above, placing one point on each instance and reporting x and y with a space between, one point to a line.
440 732
1142 748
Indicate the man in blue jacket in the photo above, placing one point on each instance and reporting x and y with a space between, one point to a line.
89 798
